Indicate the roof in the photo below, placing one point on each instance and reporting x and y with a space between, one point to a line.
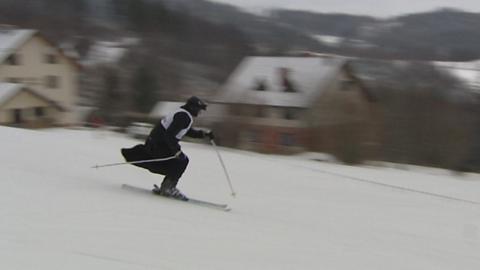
10 90
11 40
109 51
307 74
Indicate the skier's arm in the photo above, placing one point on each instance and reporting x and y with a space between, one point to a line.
200 134
196 133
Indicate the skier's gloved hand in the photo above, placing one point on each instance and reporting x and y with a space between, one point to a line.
209 135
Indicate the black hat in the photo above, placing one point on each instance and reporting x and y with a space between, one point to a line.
196 103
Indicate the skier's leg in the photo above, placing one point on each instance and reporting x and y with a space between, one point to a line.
176 170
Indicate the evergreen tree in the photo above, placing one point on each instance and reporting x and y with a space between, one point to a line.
110 97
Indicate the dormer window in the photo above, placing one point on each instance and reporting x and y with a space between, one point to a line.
260 85
13 59
52 82
288 87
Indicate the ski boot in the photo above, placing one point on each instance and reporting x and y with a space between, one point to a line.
169 191
173 192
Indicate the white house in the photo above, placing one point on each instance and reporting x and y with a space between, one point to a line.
42 72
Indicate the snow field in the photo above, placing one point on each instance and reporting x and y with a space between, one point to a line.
290 213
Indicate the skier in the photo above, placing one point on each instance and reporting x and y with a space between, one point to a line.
163 142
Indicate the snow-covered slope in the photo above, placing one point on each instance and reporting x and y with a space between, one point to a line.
59 213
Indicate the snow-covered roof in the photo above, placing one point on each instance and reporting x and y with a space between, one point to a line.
308 75
12 39
8 90
328 40
109 51
104 52
162 108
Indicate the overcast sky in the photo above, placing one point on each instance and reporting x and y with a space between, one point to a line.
378 8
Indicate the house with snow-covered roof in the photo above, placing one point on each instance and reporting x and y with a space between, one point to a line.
292 104
41 70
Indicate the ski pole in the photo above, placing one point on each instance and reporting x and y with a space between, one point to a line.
133 162
223 165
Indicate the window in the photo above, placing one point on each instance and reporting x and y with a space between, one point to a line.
236 109
17 116
287 139
13 80
39 111
51 58
259 112
13 59
52 82
290 114
252 136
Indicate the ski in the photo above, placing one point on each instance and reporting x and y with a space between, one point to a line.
212 205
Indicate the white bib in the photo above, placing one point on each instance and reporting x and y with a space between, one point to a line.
167 121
